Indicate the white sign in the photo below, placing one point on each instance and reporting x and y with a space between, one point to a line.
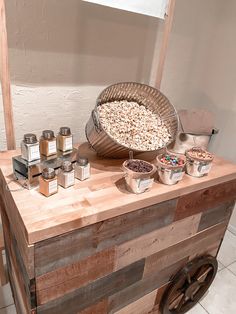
155 8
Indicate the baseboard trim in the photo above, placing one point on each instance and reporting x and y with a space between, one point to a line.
232 229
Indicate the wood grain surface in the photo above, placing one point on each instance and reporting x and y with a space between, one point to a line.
156 241
141 306
89 240
97 248
95 291
98 308
99 198
64 280
8 206
199 201
137 290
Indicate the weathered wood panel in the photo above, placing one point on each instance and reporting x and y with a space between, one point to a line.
156 241
149 283
98 308
200 201
200 243
18 229
24 290
64 280
216 215
54 253
142 306
92 293
124 254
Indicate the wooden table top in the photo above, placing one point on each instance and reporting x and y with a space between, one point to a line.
101 197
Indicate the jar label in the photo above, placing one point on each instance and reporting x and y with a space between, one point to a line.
52 147
69 178
68 143
176 175
85 172
34 153
203 169
145 184
52 187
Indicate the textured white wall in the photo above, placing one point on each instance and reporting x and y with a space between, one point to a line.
63 53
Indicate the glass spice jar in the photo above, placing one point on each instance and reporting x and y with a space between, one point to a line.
66 175
30 147
48 143
48 184
64 139
82 169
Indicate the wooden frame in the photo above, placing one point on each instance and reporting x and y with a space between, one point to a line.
5 74
5 80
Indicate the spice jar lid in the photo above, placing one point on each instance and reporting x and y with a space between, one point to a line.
30 138
82 161
66 166
48 173
48 134
65 131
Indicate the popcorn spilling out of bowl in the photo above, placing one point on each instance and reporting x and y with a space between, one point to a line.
133 125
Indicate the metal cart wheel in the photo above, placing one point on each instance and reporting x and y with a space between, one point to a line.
189 285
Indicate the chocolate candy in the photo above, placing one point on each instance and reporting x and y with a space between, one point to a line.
139 166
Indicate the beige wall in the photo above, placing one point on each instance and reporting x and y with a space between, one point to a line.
63 53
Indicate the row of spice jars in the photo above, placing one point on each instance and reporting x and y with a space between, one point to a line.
48 144
49 180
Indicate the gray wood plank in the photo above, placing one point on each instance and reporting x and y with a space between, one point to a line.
216 215
85 296
79 244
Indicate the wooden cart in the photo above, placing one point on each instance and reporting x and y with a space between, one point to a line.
96 248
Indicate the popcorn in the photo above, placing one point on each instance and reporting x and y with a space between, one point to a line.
133 125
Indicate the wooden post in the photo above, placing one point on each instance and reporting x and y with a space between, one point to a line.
5 80
164 44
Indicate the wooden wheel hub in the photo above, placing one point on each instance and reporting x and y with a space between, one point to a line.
189 285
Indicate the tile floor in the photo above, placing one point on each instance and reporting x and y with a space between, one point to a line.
220 299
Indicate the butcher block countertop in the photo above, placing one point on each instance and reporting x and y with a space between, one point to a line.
101 197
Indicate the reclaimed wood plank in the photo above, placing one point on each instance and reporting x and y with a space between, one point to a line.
26 285
18 290
87 241
55 284
198 244
132 293
95 291
204 199
98 308
216 215
156 307
141 306
8 205
155 241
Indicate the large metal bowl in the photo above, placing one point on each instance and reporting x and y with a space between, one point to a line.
144 95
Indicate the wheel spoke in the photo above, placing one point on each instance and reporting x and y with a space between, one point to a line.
189 278
192 296
202 284
173 304
189 284
201 276
181 303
